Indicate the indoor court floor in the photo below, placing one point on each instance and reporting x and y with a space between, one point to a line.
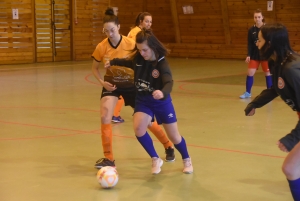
50 137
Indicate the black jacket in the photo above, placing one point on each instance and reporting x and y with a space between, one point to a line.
253 51
286 84
148 75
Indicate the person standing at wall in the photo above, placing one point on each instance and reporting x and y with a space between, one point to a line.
253 58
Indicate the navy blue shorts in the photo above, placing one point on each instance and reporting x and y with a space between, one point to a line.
162 110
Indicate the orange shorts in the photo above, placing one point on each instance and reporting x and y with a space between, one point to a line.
255 64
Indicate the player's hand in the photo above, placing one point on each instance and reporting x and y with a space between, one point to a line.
251 113
107 64
157 94
108 86
282 147
247 59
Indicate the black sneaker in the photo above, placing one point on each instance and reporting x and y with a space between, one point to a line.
102 162
170 156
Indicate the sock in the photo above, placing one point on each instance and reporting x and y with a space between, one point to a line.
160 134
106 136
181 147
249 83
269 81
119 106
147 143
295 188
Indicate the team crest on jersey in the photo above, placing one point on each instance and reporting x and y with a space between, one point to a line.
155 73
281 83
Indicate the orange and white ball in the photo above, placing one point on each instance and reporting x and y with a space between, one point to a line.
107 177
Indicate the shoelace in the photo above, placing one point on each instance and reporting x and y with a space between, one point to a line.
154 162
187 163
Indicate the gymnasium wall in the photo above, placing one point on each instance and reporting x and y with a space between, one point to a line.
47 30
216 29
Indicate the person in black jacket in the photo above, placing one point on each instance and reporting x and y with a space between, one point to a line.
273 43
253 58
153 81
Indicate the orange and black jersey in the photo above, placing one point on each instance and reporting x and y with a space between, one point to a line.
253 51
106 48
149 75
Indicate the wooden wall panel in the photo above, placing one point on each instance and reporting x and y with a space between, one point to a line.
16 35
287 12
128 10
87 33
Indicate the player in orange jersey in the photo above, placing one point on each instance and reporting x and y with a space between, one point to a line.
117 82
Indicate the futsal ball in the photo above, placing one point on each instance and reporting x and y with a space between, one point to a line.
107 177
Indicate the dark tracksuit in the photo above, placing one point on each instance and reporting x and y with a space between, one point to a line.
253 51
286 79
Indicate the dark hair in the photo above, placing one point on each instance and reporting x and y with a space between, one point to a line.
259 11
158 48
140 17
110 16
276 41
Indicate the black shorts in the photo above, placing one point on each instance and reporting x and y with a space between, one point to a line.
127 94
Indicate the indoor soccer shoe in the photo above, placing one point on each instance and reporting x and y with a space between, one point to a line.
188 167
156 165
102 162
245 95
117 119
170 156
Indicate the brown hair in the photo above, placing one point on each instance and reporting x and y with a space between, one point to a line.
140 17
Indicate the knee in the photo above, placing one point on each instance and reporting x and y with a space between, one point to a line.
105 118
289 170
139 130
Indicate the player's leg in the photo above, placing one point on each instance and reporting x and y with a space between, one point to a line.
167 116
252 67
116 116
141 121
180 145
162 137
265 67
106 109
291 169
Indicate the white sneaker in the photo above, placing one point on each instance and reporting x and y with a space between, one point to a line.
245 95
156 164
187 166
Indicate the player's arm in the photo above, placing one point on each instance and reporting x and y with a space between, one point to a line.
167 79
95 69
122 62
250 46
96 72
250 43
262 99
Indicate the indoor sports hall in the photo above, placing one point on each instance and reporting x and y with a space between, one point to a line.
50 133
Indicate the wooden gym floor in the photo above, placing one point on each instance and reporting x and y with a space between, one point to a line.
50 140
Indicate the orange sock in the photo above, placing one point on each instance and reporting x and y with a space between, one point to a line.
119 106
106 136
160 135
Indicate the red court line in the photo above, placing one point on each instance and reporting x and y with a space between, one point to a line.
78 132
212 76
57 108
48 127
